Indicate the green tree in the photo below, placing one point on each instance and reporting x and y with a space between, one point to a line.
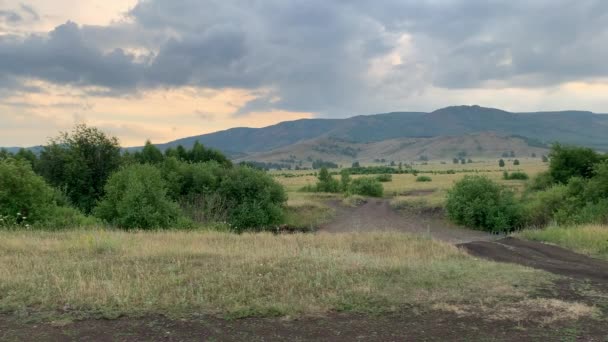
344 180
150 154
80 163
516 162
24 196
571 161
478 202
25 154
326 182
501 163
200 154
136 197
356 164
366 186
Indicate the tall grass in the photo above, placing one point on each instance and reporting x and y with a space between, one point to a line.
589 239
102 272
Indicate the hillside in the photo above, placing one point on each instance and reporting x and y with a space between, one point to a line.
478 145
571 127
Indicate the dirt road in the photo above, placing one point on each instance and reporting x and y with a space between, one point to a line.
377 214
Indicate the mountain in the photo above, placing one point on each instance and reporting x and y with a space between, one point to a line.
476 145
570 127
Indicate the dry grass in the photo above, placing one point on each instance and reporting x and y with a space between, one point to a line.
542 311
589 239
110 273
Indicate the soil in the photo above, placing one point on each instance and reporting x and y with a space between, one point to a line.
377 214
543 256
407 326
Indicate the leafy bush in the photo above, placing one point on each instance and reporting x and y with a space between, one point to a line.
424 179
136 197
541 207
385 178
571 161
80 163
27 200
478 202
24 196
366 186
517 175
326 182
542 181
255 200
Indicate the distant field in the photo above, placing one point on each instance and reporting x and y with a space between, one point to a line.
404 185
110 273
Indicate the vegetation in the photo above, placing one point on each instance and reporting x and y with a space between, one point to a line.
517 175
79 163
136 197
587 239
478 202
424 179
111 273
366 186
384 178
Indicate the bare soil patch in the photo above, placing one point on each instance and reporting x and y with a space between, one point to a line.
420 192
542 256
406 326
377 214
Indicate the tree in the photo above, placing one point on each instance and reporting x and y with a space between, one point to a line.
344 180
571 161
326 182
478 202
462 161
136 197
516 162
356 164
79 163
545 159
150 154
5 154
501 163
455 160
25 154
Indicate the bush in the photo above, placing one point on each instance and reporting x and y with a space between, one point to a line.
424 179
255 200
515 175
541 207
24 196
27 200
136 197
385 178
478 202
542 181
366 186
571 161
326 182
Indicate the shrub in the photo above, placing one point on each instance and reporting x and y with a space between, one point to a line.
26 199
515 175
24 196
80 163
542 181
255 200
541 207
424 179
366 186
478 202
501 163
136 197
345 180
385 178
570 161
516 162
326 182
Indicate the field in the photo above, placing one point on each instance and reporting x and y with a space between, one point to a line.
370 268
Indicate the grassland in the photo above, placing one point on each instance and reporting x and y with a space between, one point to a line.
404 188
588 239
110 273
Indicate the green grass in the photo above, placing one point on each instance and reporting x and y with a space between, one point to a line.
589 239
110 273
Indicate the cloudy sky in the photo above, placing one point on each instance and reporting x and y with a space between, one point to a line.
164 69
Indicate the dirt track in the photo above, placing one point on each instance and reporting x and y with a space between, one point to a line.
543 256
377 214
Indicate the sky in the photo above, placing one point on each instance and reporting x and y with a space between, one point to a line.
166 69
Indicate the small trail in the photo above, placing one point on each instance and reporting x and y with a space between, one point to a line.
542 256
378 215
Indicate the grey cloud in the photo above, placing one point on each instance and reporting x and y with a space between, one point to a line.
315 55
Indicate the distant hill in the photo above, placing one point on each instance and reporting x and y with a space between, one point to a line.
570 127
537 129
477 145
